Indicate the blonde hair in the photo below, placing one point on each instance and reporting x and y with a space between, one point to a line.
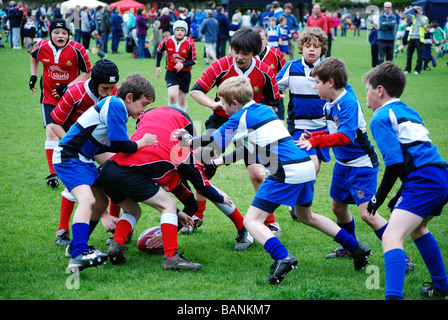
236 88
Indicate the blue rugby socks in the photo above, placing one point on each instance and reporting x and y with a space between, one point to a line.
275 248
395 268
347 240
80 236
349 227
430 252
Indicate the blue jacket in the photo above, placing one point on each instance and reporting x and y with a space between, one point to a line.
386 29
209 28
223 23
115 22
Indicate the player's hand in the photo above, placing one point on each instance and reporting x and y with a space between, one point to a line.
179 66
305 136
372 206
60 90
154 241
184 137
33 80
185 219
305 144
109 222
227 200
209 169
218 106
149 139
158 69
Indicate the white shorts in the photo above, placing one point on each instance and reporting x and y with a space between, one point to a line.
209 47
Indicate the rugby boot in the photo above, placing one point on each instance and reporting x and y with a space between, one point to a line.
280 268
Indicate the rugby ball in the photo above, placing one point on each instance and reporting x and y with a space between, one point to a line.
143 239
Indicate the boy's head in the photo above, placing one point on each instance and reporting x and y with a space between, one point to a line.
263 35
59 33
180 29
234 93
104 78
245 44
282 20
137 92
272 21
332 69
313 38
384 82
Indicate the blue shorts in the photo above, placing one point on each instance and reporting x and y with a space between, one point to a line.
425 192
353 185
321 153
74 173
272 194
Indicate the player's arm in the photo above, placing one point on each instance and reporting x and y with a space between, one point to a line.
391 175
199 94
321 139
34 63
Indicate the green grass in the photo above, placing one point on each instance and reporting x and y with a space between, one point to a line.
32 267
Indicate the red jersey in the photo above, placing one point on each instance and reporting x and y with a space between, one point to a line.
76 100
159 162
320 22
274 58
60 66
181 51
261 76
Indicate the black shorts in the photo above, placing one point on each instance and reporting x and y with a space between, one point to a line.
181 79
46 113
120 183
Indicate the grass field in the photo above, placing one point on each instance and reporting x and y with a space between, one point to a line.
32 267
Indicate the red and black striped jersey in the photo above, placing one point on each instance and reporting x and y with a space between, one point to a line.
76 100
274 58
261 76
181 51
60 65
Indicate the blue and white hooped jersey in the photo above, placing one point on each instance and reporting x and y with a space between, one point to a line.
273 35
402 137
100 125
345 115
263 133
305 107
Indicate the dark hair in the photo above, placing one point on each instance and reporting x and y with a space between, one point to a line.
332 68
137 85
246 39
389 76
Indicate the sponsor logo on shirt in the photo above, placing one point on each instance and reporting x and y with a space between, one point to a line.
56 73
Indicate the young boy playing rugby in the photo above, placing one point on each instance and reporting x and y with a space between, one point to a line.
408 153
245 45
355 171
291 179
77 99
181 56
64 62
101 126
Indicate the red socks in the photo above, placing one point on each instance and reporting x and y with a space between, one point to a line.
114 209
49 147
67 206
168 224
201 208
124 226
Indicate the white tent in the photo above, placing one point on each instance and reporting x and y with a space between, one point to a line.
71 4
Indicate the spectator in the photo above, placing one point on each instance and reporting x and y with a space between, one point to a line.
105 27
57 11
209 29
386 33
336 23
116 24
223 32
317 19
141 26
330 30
357 23
85 27
278 11
293 25
15 18
416 37
165 23
344 24
264 18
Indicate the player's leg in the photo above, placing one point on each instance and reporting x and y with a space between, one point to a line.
257 174
182 101
283 260
51 142
173 94
67 205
